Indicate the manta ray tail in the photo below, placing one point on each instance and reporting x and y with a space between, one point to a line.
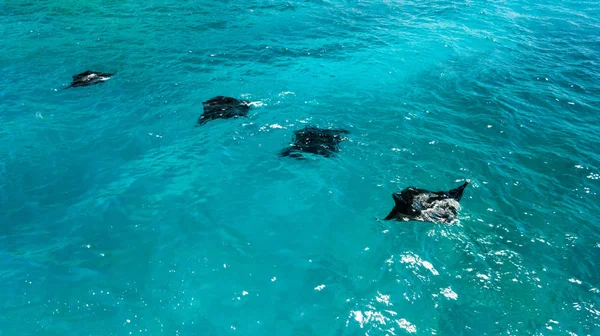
458 192
286 152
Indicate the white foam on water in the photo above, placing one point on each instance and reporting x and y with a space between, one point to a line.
409 327
257 104
449 293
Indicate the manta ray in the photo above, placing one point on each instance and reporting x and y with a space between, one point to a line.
222 107
315 140
424 205
89 78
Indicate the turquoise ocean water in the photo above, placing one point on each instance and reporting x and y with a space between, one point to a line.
119 217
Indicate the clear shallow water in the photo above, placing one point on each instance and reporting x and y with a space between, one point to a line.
118 216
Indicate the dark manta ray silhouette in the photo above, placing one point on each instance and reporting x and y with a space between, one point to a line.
89 78
222 107
424 205
315 140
